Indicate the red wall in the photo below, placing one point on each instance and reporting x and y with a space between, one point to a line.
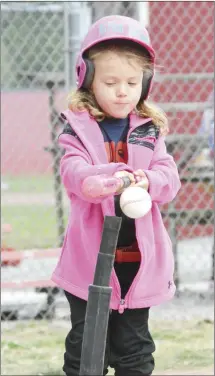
185 30
182 34
26 131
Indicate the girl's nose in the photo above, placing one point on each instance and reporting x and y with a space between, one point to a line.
121 91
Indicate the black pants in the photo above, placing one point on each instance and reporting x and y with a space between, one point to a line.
129 344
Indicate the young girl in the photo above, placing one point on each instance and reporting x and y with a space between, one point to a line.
111 129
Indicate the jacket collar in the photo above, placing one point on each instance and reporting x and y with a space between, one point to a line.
84 119
136 121
90 134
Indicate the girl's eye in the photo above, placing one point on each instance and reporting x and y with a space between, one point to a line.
132 83
109 83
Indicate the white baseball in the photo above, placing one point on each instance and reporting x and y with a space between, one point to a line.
135 202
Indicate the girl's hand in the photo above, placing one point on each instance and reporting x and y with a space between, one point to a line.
141 179
121 174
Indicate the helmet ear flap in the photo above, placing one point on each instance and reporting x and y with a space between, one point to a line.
89 75
146 84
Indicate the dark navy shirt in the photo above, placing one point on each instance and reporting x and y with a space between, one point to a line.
115 137
114 128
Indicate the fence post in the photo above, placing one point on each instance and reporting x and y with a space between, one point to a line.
72 39
173 236
56 153
120 7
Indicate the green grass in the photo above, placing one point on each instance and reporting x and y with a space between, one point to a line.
38 347
32 226
187 346
29 183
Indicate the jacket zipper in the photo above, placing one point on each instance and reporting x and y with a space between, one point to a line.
122 306
124 303
135 281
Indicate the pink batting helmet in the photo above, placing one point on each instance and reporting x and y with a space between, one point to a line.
108 28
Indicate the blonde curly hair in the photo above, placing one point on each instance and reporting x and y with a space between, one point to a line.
83 99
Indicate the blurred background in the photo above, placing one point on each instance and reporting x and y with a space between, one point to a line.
39 45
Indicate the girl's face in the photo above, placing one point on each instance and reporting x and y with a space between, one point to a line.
117 83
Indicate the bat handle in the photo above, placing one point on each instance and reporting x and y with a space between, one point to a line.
126 182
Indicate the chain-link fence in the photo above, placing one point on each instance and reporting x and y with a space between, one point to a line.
40 41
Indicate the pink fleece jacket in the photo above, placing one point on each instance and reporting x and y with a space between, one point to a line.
85 155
